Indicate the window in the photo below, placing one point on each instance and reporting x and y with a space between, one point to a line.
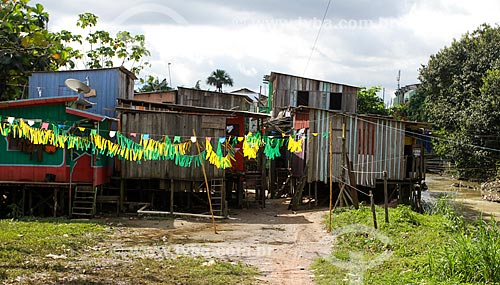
335 101
233 130
302 98
14 143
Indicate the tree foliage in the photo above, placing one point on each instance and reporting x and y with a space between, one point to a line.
151 84
369 102
413 110
108 51
218 78
26 46
461 88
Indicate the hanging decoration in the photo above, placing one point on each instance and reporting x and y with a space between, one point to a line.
144 147
217 158
251 145
272 148
295 145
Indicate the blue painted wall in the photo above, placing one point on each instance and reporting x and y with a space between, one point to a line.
109 84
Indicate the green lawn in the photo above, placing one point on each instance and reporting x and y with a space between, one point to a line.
49 251
438 248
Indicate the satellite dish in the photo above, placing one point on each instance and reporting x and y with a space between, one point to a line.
76 85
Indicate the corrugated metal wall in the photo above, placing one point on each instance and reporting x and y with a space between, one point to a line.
109 84
158 124
286 88
373 145
215 100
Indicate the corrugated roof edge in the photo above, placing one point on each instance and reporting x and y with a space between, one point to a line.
37 101
214 92
177 107
121 68
88 115
320 80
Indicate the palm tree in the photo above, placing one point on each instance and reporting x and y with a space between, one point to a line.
218 78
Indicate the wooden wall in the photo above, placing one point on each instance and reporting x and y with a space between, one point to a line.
215 100
158 124
157 97
286 88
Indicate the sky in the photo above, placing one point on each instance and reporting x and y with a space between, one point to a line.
361 43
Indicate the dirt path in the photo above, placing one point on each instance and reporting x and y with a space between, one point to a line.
281 244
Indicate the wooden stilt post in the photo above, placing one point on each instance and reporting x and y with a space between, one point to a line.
55 201
342 179
172 196
386 198
372 205
315 193
206 182
330 138
352 180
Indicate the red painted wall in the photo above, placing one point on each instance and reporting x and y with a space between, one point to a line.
239 164
82 173
31 173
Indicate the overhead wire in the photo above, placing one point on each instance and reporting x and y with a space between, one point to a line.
418 135
317 36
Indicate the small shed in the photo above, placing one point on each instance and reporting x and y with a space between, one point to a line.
162 121
106 84
215 100
363 146
294 91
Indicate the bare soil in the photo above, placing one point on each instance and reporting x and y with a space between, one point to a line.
282 244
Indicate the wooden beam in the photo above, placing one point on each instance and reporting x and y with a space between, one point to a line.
206 182
352 183
330 138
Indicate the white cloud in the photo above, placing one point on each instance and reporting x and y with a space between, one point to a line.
356 46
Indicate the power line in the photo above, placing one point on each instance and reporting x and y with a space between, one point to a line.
419 136
317 36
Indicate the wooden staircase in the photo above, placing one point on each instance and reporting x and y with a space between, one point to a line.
84 202
217 197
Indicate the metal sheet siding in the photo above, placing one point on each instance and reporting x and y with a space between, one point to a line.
372 145
109 85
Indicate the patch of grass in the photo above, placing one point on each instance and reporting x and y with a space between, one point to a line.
472 257
25 244
419 249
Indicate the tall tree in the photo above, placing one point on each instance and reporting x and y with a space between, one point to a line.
369 102
460 85
413 110
108 51
218 78
27 46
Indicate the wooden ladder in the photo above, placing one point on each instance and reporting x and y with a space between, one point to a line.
216 194
84 203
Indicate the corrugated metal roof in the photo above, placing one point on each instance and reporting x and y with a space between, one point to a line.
37 102
319 80
121 68
194 109
88 115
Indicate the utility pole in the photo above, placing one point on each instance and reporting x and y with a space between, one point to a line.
399 79
169 76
